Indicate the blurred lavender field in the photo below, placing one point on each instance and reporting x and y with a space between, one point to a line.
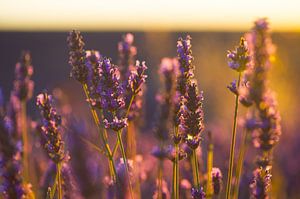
51 70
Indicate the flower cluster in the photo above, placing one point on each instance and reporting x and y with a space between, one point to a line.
186 65
239 58
23 85
198 193
134 84
193 116
260 184
93 60
77 56
51 134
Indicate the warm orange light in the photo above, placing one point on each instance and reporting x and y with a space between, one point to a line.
147 15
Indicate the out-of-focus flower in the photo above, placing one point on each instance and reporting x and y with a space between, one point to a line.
77 56
23 85
198 193
51 134
164 189
127 54
216 180
260 184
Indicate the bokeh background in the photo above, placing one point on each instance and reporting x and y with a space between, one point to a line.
43 28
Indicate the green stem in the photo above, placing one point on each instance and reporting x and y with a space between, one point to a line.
175 193
196 169
103 136
239 168
59 180
232 145
119 133
210 156
159 184
25 140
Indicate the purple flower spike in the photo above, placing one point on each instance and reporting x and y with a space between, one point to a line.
239 58
110 88
51 137
23 85
77 56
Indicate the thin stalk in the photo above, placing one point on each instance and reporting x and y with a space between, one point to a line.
103 136
239 168
210 156
53 188
126 115
25 140
175 193
59 180
159 184
196 169
119 133
232 145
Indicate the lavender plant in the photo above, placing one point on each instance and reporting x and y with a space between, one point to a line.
238 60
22 92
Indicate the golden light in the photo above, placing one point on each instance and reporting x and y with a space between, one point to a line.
146 15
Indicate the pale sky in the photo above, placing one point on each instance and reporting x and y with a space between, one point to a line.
147 15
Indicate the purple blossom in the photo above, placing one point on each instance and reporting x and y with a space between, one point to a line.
110 89
239 58
233 87
260 184
198 193
51 134
193 114
77 56
133 86
116 125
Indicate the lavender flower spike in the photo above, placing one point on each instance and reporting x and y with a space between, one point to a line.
77 56
239 58
53 143
260 184
23 85
110 90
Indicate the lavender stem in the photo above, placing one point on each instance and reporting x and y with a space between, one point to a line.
232 146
